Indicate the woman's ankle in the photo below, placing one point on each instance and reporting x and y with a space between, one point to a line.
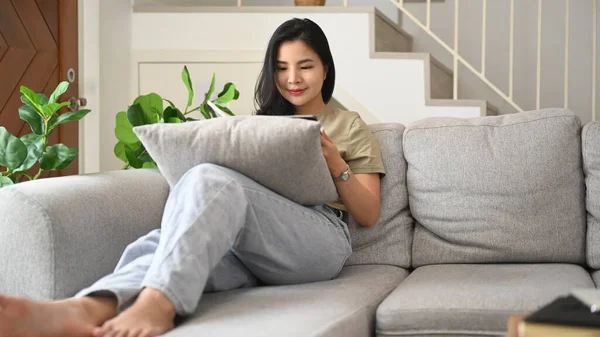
100 308
159 298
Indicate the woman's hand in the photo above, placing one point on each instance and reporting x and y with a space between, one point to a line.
335 162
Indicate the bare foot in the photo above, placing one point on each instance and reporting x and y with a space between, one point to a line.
22 317
152 314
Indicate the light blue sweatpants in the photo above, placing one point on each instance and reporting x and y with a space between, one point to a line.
221 230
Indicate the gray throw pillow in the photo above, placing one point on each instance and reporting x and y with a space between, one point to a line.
497 189
280 153
590 147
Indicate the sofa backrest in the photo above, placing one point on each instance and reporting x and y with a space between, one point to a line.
389 241
590 147
504 188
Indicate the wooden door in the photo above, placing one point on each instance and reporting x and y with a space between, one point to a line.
38 46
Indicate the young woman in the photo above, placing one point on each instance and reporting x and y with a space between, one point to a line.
264 239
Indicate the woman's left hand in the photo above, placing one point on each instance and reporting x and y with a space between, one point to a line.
335 162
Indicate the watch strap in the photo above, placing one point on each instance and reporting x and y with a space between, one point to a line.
345 175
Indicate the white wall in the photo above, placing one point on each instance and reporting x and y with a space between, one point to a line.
89 84
115 70
104 77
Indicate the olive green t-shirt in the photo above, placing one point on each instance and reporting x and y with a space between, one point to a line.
355 142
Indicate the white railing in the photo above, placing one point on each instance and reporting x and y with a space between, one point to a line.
481 74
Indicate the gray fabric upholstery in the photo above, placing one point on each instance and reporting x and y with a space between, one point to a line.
389 241
58 235
458 300
596 277
343 307
280 153
590 148
497 189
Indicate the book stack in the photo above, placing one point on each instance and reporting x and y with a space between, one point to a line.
566 316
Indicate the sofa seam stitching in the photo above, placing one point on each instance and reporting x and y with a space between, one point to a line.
487 125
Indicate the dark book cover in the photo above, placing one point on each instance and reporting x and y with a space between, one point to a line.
566 310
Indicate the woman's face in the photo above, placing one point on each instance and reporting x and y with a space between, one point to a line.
299 75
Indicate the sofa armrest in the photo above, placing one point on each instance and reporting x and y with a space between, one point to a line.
59 235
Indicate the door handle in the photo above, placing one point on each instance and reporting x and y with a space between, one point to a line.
76 103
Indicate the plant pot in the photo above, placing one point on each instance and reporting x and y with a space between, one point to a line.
309 2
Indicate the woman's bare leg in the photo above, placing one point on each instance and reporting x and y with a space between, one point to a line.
22 317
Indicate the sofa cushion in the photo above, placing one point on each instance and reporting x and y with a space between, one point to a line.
497 189
389 241
466 300
596 277
344 307
282 154
590 147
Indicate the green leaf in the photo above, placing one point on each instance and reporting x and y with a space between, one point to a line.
120 149
149 164
51 121
132 159
138 151
35 147
174 120
28 102
12 150
170 103
5 181
145 158
190 119
152 105
61 88
211 90
51 108
227 94
171 112
30 96
204 111
43 99
185 75
35 121
137 116
237 95
68 116
124 129
57 157
210 111
226 110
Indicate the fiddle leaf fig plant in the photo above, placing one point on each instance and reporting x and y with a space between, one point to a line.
19 154
152 108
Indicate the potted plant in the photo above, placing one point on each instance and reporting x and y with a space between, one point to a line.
148 109
19 154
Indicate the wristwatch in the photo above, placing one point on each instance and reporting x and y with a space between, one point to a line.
345 175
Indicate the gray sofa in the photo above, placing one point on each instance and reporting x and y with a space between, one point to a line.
481 218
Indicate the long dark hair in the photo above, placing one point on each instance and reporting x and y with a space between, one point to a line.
268 99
